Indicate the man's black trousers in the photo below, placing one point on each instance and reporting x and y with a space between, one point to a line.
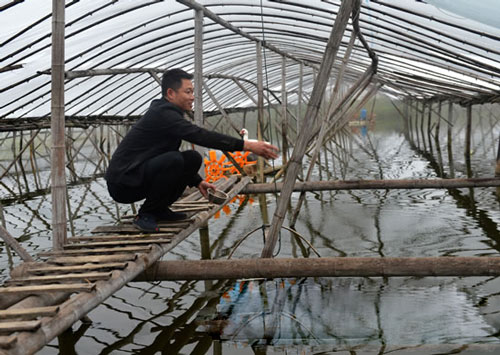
165 178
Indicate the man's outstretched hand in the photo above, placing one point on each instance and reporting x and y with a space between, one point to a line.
204 186
264 149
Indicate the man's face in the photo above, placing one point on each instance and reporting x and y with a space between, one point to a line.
182 97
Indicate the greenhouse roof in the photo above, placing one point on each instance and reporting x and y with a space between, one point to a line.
116 50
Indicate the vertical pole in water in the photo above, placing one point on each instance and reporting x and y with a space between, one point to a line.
7 247
299 95
437 141
438 124
449 140
429 119
497 168
260 106
416 125
284 116
198 77
422 127
260 120
468 129
58 176
205 249
407 119
198 119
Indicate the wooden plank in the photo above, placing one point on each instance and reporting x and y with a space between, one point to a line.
191 203
190 209
117 243
71 260
29 312
183 223
10 327
107 251
90 276
130 229
46 269
104 238
86 287
6 342
171 227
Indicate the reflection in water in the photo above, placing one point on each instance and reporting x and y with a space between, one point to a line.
357 315
344 313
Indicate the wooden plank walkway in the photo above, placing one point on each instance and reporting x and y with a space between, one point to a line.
35 305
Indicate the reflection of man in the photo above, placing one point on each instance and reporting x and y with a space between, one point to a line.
148 164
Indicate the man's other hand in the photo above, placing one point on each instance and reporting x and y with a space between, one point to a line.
264 149
204 186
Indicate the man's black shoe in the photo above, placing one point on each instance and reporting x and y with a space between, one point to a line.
145 222
170 216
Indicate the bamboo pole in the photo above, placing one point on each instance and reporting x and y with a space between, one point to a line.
58 176
322 267
284 117
422 120
332 47
14 244
449 140
497 168
260 124
299 98
205 249
437 142
198 78
429 121
468 133
373 185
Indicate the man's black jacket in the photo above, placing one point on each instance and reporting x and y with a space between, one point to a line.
160 130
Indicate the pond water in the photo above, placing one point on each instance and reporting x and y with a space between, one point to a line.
407 315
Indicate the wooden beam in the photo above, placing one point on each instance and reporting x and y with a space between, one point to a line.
374 185
322 267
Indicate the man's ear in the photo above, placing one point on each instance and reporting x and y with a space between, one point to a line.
169 94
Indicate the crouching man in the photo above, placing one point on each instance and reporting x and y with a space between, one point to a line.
148 164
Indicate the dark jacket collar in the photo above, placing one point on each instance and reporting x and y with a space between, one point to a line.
164 101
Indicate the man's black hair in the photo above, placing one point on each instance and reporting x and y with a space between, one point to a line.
172 79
